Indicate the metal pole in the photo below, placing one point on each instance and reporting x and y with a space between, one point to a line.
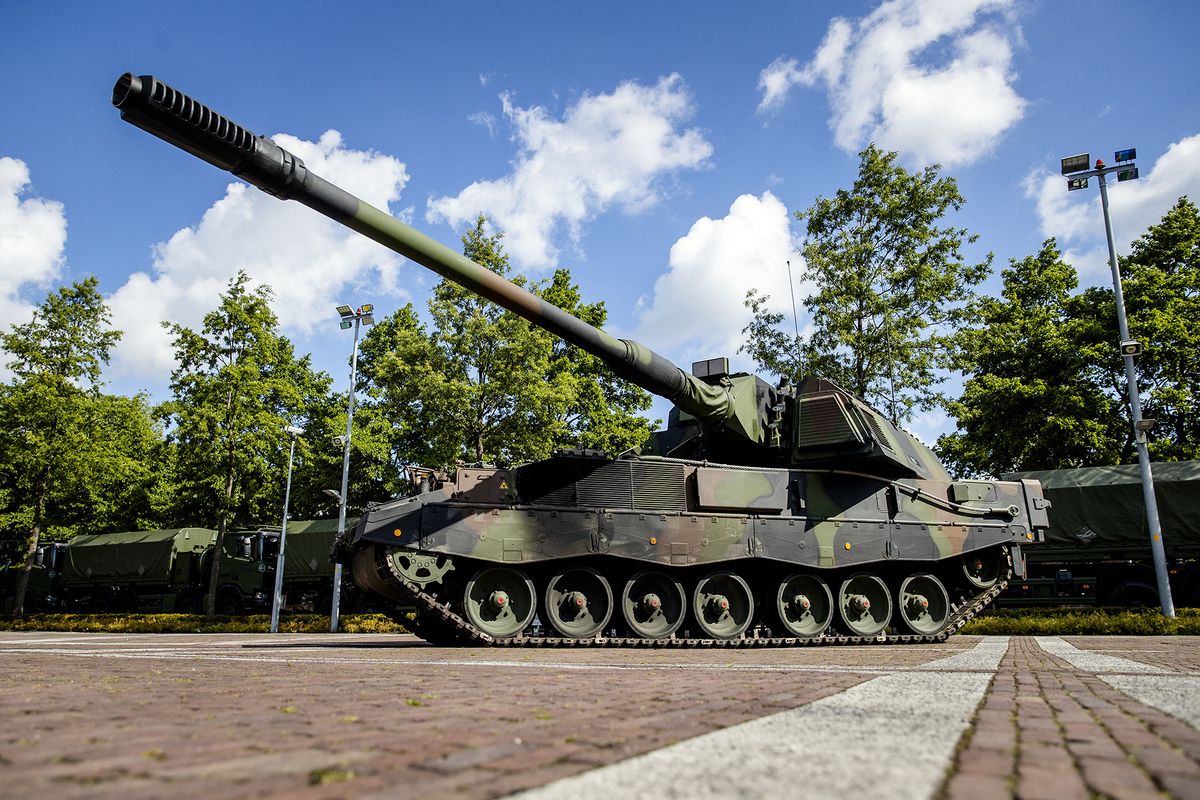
1135 406
277 602
337 567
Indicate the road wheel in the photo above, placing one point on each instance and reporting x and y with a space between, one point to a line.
579 603
722 605
652 604
924 603
499 601
864 604
982 568
804 605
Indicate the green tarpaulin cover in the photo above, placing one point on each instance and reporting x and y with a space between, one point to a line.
1098 507
133 556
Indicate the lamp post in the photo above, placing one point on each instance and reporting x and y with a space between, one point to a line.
350 318
277 603
1076 168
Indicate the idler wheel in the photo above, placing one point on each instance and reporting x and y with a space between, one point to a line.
652 604
924 603
422 569
579 603
982 567
723 605
864 604
499 601
804 605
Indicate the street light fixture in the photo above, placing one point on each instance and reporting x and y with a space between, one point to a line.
1077 172
277 603
349 318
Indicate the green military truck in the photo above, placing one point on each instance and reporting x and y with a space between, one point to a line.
45 589
1097 550
307 570
166 571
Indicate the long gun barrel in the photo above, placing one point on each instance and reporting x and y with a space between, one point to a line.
171 115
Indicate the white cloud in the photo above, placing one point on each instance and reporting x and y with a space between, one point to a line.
307 259
698 303
487 120
929 78
608 150
33 232
1075 218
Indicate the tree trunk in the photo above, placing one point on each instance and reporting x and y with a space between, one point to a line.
35 536
210 597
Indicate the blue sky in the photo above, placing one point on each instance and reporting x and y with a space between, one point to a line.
657 150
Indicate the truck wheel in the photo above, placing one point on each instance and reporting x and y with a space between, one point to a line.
229 604
186 602
1135 594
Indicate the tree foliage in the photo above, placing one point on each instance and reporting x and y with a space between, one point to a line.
1161 281
889 282
481 384
1032 400
49 413
237 385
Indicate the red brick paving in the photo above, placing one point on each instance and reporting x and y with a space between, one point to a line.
351 717
1046 731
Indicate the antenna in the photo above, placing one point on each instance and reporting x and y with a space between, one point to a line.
795 321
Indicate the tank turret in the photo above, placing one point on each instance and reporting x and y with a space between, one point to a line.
722 417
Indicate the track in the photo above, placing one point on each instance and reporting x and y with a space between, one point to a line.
440 624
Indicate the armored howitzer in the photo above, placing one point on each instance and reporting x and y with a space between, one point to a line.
765 513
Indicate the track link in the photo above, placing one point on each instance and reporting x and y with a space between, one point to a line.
439 624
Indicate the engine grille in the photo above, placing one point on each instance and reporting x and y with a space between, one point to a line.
593 483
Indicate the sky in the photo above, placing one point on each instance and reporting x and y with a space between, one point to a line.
657 150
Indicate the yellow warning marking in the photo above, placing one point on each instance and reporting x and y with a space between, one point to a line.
847 545
397 532
653 540
503 484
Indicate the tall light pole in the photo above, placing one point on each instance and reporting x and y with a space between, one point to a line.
1076 168
350 318
277 603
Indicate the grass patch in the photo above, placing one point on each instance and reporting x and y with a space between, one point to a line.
1097 621
195 623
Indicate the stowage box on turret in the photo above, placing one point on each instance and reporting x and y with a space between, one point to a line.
764 515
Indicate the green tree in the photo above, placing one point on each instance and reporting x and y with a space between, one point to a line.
237 385
481 384
48 410
1161 282
889 282
1032 399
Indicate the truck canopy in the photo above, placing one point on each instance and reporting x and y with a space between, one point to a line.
132 556
1102 507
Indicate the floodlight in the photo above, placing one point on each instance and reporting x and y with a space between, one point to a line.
334 493
1131 347
368 320
1076 163
347 324
1130 174
1125 155
1076 183
345 311
292 430
367 308
1145 425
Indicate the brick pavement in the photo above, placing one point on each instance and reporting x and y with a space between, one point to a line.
1046 731
145 716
